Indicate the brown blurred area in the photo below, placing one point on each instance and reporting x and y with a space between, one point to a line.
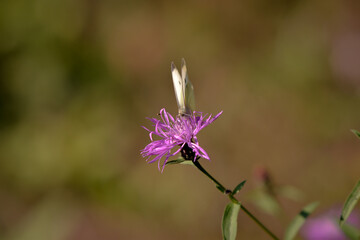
79 77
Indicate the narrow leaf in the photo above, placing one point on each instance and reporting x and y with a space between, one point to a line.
299 220
238 187
357 133
265 202
290 192
180 161
350 203
351 232
229 221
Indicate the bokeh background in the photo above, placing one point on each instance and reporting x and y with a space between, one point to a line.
79 77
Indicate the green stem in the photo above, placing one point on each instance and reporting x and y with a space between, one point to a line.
219 185
233 199
258 222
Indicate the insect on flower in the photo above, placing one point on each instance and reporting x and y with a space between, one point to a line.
179 131
184 90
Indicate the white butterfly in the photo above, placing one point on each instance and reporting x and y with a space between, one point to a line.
184 90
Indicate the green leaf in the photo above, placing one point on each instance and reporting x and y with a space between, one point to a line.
290 192
357 133
299 220
238 187
350 203
265 202
351 232
229 221
180 161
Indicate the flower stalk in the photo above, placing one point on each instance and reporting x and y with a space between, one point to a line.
233 199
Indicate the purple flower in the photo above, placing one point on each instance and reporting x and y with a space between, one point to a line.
177 132
326 226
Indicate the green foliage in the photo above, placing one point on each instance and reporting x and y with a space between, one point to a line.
290 192
266 202
238 187
351 232
350 203
229 221
180 161
299 220
357 133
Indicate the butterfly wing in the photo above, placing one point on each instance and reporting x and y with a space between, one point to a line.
179 87
189 90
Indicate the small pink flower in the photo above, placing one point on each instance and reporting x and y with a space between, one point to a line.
326 226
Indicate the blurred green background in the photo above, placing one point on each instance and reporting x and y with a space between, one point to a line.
79 77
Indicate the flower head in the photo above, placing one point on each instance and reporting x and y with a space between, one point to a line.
179 132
